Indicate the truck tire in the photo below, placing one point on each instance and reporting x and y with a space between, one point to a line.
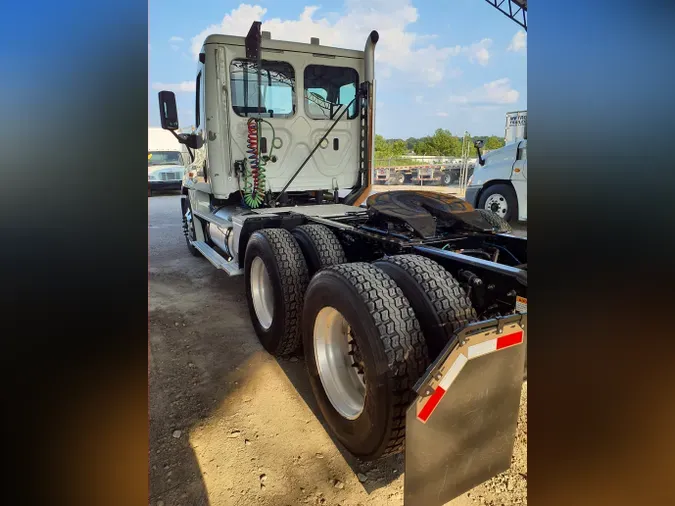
500 199
320 247
396 179
364 351
189 226
499 224
276 277
446 178
440 303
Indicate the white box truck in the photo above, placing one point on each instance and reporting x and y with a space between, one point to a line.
167 159
516 126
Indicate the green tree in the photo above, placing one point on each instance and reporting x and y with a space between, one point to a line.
445 143
382 147
425 147
493 142
398 148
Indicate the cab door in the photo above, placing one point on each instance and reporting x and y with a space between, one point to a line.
198 171
519 179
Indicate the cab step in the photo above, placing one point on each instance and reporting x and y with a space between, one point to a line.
217 260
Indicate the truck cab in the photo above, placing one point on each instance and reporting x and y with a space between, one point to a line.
167 159
499 183
281 113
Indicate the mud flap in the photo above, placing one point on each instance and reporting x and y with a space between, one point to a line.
461 429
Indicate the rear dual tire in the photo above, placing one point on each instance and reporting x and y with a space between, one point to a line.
320 247
364 329
439 302
359 302
276 278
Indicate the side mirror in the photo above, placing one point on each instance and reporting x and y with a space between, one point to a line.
478 143
168 113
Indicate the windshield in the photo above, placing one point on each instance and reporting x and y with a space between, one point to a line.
164 158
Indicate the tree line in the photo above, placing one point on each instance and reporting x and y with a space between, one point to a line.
442 143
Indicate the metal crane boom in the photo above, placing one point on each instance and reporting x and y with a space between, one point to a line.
513 9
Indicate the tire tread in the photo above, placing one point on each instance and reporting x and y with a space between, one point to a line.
499 224
294 280
447 296
400 334
326 244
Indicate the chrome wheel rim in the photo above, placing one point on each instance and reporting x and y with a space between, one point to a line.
339 363
190 226
261 293
497 204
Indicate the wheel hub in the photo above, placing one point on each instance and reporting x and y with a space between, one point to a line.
261 293
497 204
189 226
356 357
339 363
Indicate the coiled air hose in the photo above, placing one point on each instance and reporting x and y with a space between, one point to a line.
254 177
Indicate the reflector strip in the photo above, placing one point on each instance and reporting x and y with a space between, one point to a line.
442 387
433 401
474 351
509 340
495 344
481 349
453 372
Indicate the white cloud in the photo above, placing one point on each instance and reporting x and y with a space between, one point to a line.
174 47
518 42
478 52
495 92
185 86
175 38
399 49
454 73
442 114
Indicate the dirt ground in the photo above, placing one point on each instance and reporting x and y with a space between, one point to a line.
231 425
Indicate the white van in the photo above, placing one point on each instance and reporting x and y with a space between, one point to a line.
167 159
500 183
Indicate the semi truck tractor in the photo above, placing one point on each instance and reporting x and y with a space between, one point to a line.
499 181
410 306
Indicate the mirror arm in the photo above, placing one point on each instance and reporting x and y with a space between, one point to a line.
182 138
481 161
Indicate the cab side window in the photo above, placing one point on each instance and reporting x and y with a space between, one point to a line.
277 88
197 99
328 90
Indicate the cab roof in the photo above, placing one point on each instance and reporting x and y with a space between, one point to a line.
280 45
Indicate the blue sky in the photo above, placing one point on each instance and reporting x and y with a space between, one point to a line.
458 64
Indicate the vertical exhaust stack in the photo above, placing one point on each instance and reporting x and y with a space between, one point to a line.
358 196
370 56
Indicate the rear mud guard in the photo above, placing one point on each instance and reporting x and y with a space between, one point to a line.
461 429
